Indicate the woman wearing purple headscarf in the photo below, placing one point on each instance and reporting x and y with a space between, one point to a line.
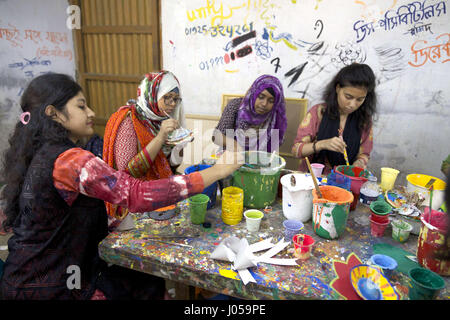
257 121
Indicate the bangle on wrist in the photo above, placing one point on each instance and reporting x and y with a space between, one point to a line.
314 146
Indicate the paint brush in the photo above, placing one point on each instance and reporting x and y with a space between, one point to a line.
314 178
345 150
431 197
430 183
346 157
164 111
174 243
412 258
271 158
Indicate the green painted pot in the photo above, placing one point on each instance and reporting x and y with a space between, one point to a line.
330 213
259 179
426 284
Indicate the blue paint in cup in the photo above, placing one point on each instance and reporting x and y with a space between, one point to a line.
385 263
291 228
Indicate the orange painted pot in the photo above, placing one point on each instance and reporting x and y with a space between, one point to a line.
431 238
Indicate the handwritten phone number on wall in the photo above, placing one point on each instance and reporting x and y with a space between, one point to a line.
213 62
224 31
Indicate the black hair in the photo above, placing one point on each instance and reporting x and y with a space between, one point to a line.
271 91
48 89
354 75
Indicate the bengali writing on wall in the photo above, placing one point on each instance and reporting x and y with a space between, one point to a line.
250 30
412 13
439 52
39 50
46 43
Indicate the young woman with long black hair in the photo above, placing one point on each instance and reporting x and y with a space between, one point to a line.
55 195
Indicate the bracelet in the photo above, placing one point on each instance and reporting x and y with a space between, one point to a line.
314 146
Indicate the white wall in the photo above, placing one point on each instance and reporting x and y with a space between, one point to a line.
34 39
413 129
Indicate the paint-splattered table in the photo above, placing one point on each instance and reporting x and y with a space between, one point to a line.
192 265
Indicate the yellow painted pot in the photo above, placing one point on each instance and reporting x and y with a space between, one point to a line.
232 205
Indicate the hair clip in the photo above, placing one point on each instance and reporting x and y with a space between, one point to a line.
22 117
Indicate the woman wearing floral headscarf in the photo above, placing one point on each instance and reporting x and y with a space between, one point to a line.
258 120
136 135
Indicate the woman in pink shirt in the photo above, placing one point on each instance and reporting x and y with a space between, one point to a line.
343 122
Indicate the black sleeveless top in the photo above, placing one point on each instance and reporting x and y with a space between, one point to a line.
52 239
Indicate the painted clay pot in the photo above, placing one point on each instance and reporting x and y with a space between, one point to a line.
357 177
431 239
330 212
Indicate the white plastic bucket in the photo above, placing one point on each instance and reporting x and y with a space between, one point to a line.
297 200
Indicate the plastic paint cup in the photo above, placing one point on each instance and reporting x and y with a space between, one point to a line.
232 205
385 263
303 244
378 218
317 168
426 284
380 211
377 228
197 206
380 207
211 190
253 219
400 230
388 177
291 228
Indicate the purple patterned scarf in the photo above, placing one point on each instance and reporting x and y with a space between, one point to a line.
247 115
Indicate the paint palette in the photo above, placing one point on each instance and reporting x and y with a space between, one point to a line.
165 213
395 199
180 135
370 284
408 210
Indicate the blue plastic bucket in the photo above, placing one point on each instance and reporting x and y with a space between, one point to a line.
210 191
339 180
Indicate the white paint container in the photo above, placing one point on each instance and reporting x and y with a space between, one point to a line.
297 200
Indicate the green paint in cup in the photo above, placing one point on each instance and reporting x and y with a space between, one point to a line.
198 205
380 207
253 219
254 214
